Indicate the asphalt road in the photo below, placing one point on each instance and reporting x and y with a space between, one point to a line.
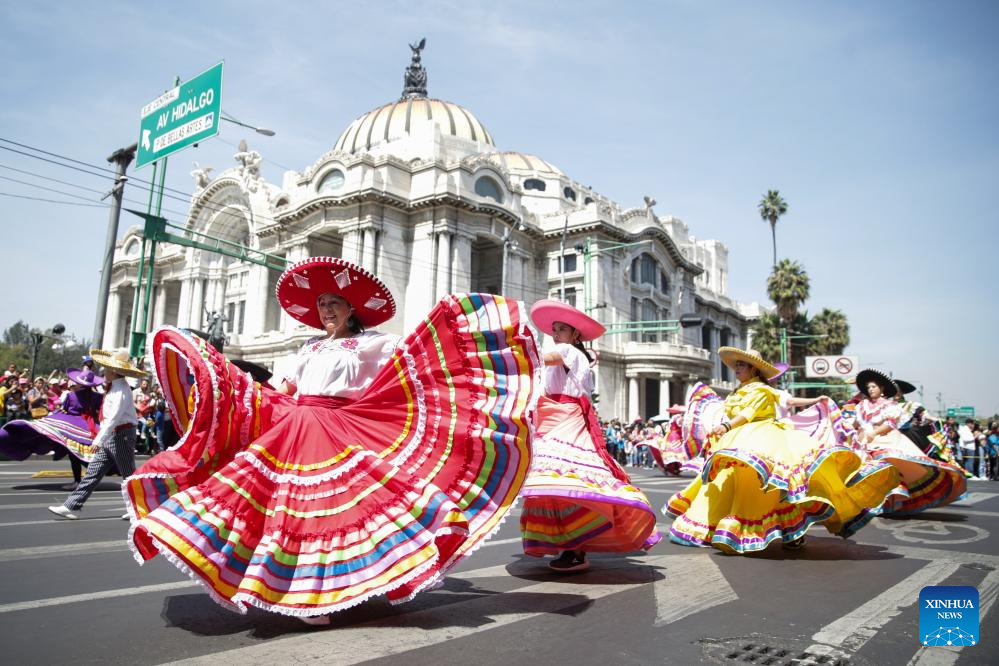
70 592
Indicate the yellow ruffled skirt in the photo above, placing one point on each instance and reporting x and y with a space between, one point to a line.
765 481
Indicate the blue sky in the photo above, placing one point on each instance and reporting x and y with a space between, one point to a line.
876 121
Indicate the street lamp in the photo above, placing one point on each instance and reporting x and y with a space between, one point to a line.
258 130
36 341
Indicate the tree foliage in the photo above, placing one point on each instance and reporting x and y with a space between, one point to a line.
772 207
833 325
788 287
766 336
54 352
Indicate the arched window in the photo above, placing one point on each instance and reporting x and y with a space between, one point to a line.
663 282
132 249
644 270
569 193
488 188
587 201
331 182
534 184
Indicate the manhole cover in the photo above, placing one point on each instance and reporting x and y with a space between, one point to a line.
774 651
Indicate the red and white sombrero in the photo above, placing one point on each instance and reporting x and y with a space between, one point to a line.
299 288
545 313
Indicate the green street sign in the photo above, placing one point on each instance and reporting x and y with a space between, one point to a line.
179 117
961 412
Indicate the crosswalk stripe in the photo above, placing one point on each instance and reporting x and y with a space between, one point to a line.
370 640
692 583
988 591
854 629
974 498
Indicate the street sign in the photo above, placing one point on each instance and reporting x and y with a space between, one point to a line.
831 366
961 412
181 116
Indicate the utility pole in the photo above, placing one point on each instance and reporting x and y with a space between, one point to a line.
121 158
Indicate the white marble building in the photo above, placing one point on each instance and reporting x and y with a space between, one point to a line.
418 192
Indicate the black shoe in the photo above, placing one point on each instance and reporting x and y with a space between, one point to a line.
797 544
570 561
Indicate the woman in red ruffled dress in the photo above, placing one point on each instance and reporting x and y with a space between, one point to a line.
577 498
386 464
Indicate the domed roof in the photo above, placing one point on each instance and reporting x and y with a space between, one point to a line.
520 162
411 116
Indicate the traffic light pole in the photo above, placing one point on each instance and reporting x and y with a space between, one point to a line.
122 158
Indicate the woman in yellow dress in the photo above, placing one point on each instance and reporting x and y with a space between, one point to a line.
765 481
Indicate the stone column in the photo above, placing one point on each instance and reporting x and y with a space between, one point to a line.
444 284
461 266
111 322
368 260
256 303
184 307
196 314
664 394
634 410
417 300
351 246
159 309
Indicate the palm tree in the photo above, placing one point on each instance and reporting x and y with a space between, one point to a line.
788 287
772 206
834 325
766 336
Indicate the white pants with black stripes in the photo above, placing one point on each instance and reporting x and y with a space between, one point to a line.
120 451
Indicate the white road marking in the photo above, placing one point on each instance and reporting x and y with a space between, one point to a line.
932 532
988 590
35 552
974 498
53 521
692 583
90 503
370 640
854 629
93 596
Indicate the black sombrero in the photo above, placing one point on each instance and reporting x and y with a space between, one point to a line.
888 388
904 386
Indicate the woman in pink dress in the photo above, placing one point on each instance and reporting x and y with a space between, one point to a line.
577 498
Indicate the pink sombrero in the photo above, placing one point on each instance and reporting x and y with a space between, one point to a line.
545 313
300 287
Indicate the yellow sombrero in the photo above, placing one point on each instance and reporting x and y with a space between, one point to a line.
729 355
118 361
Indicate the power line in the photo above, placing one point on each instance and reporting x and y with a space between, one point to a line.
48 189
530 287
54 180
55 201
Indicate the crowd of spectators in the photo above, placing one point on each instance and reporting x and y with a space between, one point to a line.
974 446
24 398
629 443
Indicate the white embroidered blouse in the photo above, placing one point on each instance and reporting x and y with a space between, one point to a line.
574 377
874 413
342 367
